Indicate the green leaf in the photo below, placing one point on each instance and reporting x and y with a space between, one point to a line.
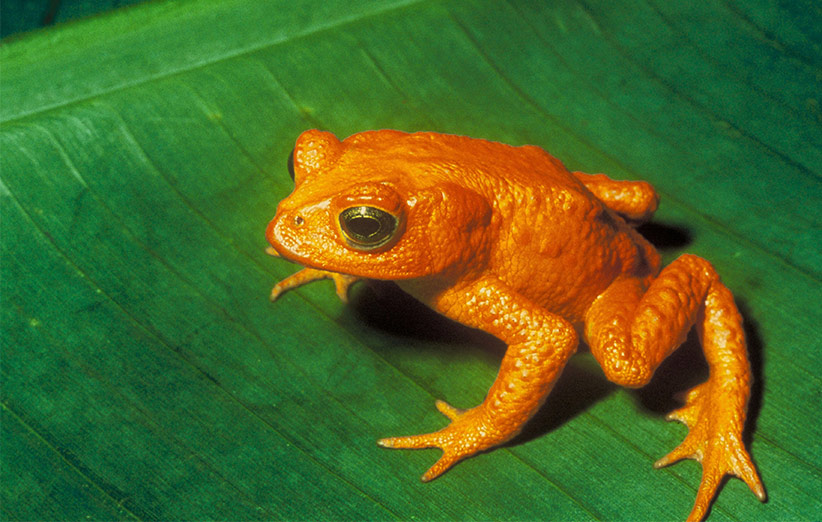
144 372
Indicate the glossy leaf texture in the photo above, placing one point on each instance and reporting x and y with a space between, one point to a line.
145 374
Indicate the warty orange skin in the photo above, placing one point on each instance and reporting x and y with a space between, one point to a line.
507 240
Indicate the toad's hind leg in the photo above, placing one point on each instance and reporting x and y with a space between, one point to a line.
631 330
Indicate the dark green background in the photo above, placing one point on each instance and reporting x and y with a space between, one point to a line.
17 16
142 152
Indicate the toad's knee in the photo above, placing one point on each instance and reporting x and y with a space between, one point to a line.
630 373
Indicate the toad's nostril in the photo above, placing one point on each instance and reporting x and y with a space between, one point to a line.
298 221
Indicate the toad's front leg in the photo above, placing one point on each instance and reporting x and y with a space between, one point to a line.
539 344
342 282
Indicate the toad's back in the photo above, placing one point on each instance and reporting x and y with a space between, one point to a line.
545 219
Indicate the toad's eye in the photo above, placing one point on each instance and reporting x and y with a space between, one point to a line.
366 228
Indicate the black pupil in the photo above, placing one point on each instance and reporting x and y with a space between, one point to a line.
364 226
367 227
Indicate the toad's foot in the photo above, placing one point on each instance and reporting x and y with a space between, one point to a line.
468 433
342 282
715 441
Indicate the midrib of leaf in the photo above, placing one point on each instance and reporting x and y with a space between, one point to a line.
8 114
281 40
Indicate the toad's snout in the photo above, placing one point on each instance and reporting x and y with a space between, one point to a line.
283 231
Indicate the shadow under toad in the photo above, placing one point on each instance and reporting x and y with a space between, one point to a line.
385 307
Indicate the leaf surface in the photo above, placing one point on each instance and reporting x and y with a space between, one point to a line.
145 374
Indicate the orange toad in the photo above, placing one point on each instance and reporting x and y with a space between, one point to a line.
507 240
